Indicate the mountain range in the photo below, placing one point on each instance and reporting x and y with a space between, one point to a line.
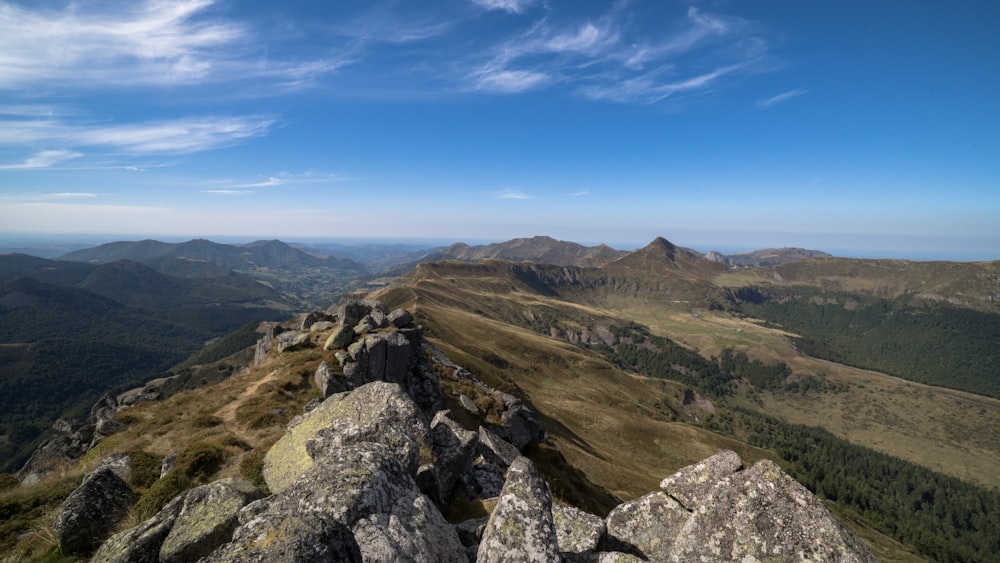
642 362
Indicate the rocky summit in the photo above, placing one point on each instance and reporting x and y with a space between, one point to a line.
370 473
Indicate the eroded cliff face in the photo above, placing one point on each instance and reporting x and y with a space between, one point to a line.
369 473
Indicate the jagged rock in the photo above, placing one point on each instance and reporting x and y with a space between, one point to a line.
102 418
616 557
291 341
206 519
289 538
764 514
400 318
144 394
520 527
495 449
189 527
265 343
316 317
91 512
394 356
579 533
692 484
325 380
119 464
471 531
340 338
377 412
365 325
646 526
467 403
521 426
69 443
142 543
487 479
169 461
322 326
351 312
453 448
365 487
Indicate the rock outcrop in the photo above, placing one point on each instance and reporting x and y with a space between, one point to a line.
367 474
91 512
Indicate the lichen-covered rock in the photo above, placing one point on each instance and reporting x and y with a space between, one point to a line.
453 448
322 326
142 543
495 449
351 312
762 514
291 340
693 483
485 479
364 487
521 426
579 533
91 512
206 519
400 318
340 338
289 538
646 526
310 320
467 403
377 412
520 527
325 381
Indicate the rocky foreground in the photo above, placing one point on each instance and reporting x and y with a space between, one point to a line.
369 473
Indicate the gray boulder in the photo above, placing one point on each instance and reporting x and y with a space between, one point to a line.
495 449
454 448
521 426
322 326
520 528
340 338
364 487
646 526
289 538
763 514
316 317
396 356
377 412
578 533
400 318
291 340
91 512
206 519
692 484
351 312
189 527
325 381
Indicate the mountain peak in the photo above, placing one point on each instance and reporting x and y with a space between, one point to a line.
661 255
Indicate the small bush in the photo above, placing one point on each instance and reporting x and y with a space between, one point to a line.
8 481
194 465
206 421
145 469
252 469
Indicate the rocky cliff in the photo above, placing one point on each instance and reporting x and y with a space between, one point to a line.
376 472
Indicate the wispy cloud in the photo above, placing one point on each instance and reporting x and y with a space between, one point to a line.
513 194
782 97
228 192
70 195
286 178
580 193
155 42
513 6
43 159
608 58
179 136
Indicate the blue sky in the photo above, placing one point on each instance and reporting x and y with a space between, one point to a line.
866 128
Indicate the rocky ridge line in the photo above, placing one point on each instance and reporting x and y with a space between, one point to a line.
368 473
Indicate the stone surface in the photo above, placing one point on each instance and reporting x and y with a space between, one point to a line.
453 448
364 487
326 382
91 512
578 533
289 538
495 449
206 519
763 514
521 426
646 526
340 338
291 340
520 527
693 483
142 543
377 412
400 318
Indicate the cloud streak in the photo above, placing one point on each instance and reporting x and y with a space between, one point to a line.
782 97
155 42
43 159
514 194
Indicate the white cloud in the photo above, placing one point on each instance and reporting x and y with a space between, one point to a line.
228 192
513 6
513 194
156 42
650 89
782 97
510 81
179 136
43 159
585 39
580 193
70 195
